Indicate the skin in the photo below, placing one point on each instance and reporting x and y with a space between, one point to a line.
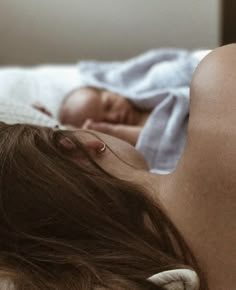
98 105
118 156
103 111
199 196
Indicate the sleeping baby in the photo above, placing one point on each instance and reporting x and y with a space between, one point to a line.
103 111
143 100
154 80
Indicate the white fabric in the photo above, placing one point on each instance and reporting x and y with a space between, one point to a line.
163 136
144 77
46 84
12 112
179 279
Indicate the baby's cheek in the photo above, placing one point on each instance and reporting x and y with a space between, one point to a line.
63 115
67 117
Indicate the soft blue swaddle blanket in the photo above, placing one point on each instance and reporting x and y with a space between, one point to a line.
159 80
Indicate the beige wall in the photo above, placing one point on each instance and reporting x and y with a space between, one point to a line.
36 31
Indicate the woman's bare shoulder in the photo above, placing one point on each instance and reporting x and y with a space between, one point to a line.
204 199
212 123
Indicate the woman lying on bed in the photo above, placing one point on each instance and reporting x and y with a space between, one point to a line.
80 210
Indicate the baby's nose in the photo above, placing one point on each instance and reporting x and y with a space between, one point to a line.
113 117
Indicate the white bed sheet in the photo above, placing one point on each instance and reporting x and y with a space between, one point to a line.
47 84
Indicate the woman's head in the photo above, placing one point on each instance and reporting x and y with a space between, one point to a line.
65 223
99 105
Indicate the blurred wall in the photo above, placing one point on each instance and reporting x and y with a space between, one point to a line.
59 31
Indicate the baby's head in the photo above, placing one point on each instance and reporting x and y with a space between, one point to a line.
96 104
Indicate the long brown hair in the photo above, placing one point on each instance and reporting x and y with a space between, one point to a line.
70 226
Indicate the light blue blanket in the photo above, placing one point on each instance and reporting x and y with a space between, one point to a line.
159 80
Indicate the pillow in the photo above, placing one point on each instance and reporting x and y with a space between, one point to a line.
12 112
47 84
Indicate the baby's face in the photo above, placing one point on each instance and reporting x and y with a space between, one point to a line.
99 105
